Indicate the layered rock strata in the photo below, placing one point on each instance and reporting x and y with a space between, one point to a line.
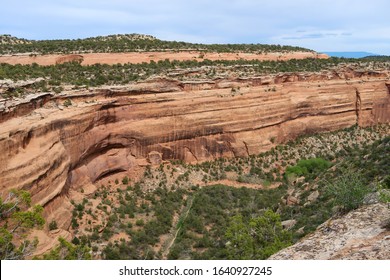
50 149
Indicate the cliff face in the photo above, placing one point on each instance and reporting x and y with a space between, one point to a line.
51 150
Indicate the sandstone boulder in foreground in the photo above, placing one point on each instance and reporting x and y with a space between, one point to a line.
359 235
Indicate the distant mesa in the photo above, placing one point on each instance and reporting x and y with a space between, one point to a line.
120 43
9 39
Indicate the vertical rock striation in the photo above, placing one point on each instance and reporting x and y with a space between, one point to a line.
50 150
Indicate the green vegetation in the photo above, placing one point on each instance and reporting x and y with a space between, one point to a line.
53 225
165 215
67 103
68 251
76 75
258 238
126 43
152 215
348 191
208 228
15 223
98 74
377 58
307 167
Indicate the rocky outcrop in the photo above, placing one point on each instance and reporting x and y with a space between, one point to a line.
70 58
362 234
51 149
21 107
9 84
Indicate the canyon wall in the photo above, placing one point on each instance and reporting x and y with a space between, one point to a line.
52 150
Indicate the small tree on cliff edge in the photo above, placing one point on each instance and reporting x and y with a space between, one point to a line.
256 238
15 224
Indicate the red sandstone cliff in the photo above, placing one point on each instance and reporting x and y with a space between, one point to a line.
50 149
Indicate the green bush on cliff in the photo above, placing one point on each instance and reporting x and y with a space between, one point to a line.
307 167
68 251
348 191
258 238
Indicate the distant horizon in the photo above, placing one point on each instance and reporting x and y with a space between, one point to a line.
302 23
347 54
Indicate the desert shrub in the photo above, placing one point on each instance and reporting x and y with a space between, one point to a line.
386 182
258 238
14 222
68 251
307 167
348 191
125 180
53 225
67 103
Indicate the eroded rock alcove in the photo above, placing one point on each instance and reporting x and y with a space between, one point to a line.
51 149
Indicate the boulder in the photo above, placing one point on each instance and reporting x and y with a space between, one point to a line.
313 196
155 158
361 234
292 200
288 224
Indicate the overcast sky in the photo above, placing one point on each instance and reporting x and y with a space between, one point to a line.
341 25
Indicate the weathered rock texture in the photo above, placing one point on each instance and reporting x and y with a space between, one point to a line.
360 235
50 149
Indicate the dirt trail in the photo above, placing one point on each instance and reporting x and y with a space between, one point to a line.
182 217
236 184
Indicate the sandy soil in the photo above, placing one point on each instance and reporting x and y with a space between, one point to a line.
139 57
236 184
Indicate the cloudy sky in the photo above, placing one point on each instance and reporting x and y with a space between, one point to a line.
341 25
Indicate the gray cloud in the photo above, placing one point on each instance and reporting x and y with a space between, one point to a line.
307 35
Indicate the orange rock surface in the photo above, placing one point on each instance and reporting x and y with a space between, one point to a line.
139 57
51 150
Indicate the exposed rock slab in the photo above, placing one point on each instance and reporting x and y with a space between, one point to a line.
359 235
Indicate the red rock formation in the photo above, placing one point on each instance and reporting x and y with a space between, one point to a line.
52 150
11 109
70 58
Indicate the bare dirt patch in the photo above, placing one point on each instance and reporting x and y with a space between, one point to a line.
236 184
140 57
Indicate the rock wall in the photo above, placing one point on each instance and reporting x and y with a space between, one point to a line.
50 149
